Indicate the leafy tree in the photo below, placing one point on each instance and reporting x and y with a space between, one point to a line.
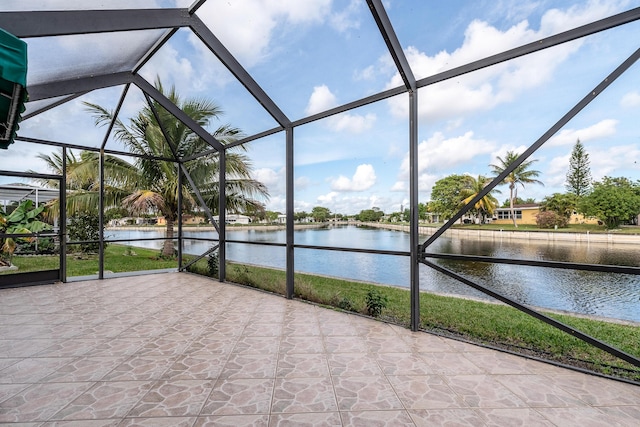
272 216
521 175
518 201
370 215
561 204
320 214
446 195
300 216
486 205
157 188
579 174
423 211
612 200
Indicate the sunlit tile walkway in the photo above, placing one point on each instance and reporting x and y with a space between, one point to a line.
180 350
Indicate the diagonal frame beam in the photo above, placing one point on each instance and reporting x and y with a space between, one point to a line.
149 89
542 317
393 44
232 64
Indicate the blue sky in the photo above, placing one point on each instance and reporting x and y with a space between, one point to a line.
313 55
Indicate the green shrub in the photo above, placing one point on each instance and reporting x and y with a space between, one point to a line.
342 302
84 226
375 302
550 219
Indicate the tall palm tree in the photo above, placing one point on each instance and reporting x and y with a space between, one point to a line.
486 205
157 189
521 175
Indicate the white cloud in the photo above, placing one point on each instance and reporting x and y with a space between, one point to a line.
348 18
503 149
367 73
630 100
363 179
274 180
602 129
485 89
352 123
320 100
323 99
439 153
327 199
247 27
168 64
350 204
556 173
613 161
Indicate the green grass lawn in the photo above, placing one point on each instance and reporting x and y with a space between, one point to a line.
118 258
486 323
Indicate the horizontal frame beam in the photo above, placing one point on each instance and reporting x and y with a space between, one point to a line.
69 22
74 86
600 268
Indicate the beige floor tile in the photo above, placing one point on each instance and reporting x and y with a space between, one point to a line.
446 417
245 396
425 392
175 398
365 393
376 418
309 394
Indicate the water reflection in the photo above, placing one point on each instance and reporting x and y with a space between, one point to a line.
602 294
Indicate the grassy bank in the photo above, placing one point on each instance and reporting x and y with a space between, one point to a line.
486 323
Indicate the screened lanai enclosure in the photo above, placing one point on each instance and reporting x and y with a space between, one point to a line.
194 117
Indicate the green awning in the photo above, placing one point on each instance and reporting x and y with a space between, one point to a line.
13 84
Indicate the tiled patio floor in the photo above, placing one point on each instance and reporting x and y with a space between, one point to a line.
180 350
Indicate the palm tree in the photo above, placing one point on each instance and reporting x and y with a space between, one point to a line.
157 188
520 175
487 204
83 180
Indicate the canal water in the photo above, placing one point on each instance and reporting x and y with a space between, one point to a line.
600 294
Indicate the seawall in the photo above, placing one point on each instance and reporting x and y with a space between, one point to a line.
550 236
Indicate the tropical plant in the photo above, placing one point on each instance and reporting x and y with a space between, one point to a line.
83 181
487 204
521 175
23 220
157 187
